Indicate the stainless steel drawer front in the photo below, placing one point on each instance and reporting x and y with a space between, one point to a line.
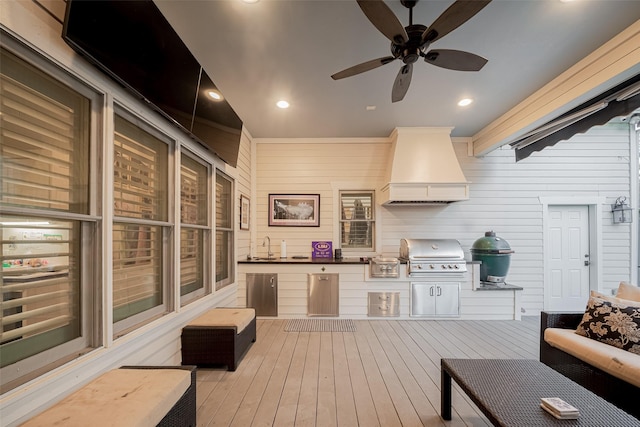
384 304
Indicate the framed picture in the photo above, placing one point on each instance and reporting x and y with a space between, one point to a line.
244 212
294 210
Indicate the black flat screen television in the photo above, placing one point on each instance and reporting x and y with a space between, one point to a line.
133 43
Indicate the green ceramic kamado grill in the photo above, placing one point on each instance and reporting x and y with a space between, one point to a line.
495 254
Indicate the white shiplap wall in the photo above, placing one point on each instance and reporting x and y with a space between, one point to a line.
505 197
310 167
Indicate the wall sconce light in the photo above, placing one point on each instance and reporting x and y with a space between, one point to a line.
621 211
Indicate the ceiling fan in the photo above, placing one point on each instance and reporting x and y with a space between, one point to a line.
411 42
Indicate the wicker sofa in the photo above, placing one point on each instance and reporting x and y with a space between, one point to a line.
617 391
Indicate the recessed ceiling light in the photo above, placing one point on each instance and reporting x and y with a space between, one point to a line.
464 102
250 1
282 104
216 95
370 107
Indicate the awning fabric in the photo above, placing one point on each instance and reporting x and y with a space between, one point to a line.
619 101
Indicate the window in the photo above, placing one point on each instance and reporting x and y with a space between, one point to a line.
141 228
357 221
194 228
45 209
224 231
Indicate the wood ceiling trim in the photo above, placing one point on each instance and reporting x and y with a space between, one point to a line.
611 64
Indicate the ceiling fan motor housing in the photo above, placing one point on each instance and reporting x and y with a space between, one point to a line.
409 3
411 50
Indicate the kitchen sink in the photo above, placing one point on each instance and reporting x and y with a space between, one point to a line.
264 259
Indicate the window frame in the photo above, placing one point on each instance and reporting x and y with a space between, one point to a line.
126 325
90 226
374 221
228 231
206 230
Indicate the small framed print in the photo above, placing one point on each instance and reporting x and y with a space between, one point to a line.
244 212
294 210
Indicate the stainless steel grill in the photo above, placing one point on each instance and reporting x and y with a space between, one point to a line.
426 257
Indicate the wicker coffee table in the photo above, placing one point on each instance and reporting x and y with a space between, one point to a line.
508 392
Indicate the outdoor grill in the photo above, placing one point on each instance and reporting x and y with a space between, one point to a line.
426 257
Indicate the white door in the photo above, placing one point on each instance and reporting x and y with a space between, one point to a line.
568 258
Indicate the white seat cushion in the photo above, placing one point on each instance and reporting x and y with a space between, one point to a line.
121 397
615 361
238 317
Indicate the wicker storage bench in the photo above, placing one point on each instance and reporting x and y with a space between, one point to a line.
140 396
621 393
219 337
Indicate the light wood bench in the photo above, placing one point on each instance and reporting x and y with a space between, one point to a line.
220 336
141 396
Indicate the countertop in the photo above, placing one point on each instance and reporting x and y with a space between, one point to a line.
309 260
498 287
305 260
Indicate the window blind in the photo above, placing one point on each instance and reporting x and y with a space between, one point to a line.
191 260
224 231
42 141
193 192
357 220
140 173
44 166
193 211
137 269
140 192
40 292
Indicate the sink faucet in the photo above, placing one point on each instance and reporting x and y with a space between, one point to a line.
267 241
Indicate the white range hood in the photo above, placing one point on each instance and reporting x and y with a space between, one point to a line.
423 169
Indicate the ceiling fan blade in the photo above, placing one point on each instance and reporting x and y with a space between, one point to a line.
361 68
384 20
457 14
402 82
455 60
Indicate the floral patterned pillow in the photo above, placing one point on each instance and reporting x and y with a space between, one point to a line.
613 323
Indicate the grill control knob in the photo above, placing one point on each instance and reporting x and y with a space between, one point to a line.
431 266
456 266
419 266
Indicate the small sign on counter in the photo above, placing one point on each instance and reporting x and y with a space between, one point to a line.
322 249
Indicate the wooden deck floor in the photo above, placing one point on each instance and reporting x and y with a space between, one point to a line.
387 373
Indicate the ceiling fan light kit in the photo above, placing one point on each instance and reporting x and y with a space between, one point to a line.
412 42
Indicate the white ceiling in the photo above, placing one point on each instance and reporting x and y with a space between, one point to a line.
282 49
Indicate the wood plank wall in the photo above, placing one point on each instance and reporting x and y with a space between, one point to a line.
505 197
